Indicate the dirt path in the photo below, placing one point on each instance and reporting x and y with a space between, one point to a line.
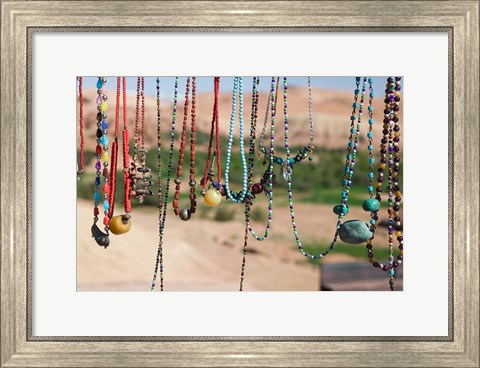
201 254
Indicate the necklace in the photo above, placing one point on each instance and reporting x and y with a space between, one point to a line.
251 161
305 151
213 196
186 213
120 224
268 179
390 161
140 174
236 197
101 150
162 205
81 166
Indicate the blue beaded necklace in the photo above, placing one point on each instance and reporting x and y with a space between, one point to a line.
236 197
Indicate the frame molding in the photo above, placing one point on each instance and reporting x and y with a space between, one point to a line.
20 19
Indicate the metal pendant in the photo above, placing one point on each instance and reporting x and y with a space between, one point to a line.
185 214
100 237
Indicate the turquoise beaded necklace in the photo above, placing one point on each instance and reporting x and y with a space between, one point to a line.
236 197
342 209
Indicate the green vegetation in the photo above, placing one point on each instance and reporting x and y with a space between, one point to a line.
319 181
224 214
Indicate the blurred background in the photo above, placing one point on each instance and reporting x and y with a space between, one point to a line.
205 253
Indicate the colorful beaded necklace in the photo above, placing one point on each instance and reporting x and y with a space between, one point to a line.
140 175
390 161
213 195
186 213
81 164
305 151
163 197
236 197
101 150
120 224
341 209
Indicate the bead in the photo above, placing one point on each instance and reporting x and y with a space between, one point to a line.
98 149
106 188
212 197
96 211
99 133
99 83
98 165
104 125
106 205
97 181
105 156
354 232
96 197
120 224
106 220
105 172
104 140
185 214
340 209
257 188
371 205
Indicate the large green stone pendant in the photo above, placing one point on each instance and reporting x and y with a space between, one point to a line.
354 232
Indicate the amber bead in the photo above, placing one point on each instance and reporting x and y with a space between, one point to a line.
120 224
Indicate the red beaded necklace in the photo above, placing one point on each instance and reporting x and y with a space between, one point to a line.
120 224
213 196
81 165
186 213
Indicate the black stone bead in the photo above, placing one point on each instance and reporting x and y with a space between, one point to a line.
99 133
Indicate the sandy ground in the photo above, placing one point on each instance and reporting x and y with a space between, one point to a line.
202 254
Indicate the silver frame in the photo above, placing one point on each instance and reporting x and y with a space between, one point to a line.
20 20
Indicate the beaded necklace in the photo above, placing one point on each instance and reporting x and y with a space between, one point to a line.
186 213
162 205
342 209
140 174
390 161
236 197
101 150
81 165
268 176
120 224
305 151
213 196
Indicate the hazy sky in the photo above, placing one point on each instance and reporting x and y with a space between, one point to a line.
226 83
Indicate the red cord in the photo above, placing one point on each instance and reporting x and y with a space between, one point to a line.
82 138
143 113
126 154
113 163
215 128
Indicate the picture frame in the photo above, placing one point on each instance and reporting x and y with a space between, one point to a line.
21 19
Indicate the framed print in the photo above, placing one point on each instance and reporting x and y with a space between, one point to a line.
281 77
